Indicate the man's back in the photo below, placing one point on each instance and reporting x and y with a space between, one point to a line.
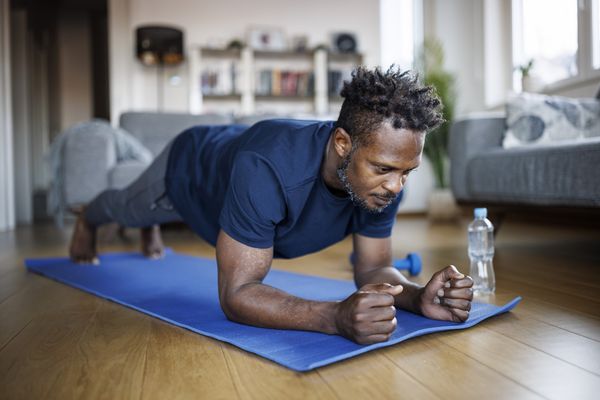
262 185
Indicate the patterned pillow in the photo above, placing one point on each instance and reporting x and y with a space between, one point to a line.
534 119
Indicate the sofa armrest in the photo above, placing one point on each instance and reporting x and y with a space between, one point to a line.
468 137
88 156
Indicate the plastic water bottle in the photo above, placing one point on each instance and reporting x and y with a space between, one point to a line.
481 253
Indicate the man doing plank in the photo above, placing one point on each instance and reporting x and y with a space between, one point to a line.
286 188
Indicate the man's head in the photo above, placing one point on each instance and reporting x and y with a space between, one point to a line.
380 133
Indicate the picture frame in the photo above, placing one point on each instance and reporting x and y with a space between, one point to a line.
266 38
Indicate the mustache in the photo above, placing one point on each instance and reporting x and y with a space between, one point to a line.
386 196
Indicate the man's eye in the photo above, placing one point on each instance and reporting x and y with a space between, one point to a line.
383 170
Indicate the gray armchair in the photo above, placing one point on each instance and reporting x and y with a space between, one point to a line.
94 156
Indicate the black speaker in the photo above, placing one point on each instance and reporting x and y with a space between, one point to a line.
344 42
159 45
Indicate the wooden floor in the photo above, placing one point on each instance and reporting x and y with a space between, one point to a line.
58 342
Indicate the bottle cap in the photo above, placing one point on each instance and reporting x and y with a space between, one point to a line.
480 212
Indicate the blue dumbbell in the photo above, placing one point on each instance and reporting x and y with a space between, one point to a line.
412 263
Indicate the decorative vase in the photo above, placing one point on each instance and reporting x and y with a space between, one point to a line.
526 84
531 83
442 206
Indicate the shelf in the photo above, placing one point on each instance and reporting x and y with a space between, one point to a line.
284 55
315 74
220 53
235 97
263 97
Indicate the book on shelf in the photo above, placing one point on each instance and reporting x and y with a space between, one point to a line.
284 83
335 80
220 79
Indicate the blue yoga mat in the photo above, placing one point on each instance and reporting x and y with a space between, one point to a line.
182 290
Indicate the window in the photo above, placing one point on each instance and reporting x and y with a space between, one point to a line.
400 31
596 34
560 36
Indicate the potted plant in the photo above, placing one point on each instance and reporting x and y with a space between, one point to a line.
527 81
442 205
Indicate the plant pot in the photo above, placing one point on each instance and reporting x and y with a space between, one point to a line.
442 206
531 84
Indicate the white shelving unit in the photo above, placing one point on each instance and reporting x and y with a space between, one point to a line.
248 81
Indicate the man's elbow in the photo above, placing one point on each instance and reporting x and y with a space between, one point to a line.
228 305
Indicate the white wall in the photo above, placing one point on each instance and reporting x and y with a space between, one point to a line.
7 205
206 22
497 48
458 24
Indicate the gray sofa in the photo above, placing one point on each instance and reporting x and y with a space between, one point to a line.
483 173
89 160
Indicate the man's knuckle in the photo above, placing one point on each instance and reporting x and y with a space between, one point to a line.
362 299
360 339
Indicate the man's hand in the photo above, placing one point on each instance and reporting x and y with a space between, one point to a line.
447 296
368 315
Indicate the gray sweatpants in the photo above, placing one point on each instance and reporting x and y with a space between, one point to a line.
141 204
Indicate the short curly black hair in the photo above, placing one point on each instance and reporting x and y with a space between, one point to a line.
373 97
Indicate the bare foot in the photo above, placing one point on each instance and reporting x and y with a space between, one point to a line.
152 244
83 242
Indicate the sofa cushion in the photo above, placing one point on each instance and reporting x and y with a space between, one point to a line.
534 119
544 175
155 130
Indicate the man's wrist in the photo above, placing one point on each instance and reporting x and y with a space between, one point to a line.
327 312
410 298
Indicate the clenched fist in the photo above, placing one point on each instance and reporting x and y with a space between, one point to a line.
368 315
447 296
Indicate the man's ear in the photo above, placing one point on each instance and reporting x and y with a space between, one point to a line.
342 142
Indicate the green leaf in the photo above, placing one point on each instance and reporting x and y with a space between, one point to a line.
431 62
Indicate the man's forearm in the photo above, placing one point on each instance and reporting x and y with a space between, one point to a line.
262 305
406 300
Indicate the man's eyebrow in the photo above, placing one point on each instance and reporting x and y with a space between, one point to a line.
383 164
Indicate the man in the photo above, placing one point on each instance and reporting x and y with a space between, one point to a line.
287 188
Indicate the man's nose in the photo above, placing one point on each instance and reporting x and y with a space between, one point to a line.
394 184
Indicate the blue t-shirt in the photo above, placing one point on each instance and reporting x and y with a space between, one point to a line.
263 186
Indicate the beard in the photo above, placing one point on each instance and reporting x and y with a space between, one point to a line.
342 173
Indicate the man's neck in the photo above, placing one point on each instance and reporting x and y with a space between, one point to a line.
329 166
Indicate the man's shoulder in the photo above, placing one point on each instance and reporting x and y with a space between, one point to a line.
294 148
289 124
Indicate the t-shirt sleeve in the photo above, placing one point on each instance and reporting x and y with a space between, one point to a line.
379 225
254 203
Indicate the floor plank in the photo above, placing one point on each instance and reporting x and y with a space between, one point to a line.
454 371
538 371
559 343
373 376
257 378
33 364
182 362
109 358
